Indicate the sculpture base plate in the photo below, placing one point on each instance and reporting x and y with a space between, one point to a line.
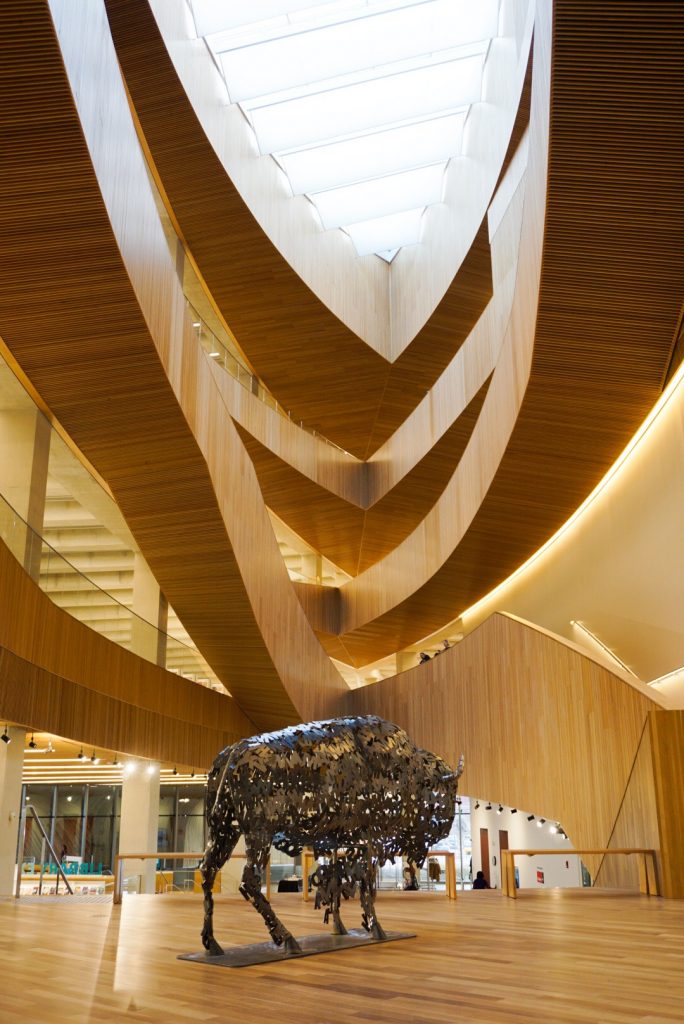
268 952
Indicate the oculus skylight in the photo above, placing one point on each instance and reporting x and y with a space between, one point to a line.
362 103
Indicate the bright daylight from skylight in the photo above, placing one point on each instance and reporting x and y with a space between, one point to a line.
362 103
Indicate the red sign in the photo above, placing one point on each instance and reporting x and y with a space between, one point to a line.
540 876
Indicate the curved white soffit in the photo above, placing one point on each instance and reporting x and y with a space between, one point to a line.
447 193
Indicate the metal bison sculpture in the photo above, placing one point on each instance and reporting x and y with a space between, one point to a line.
356 790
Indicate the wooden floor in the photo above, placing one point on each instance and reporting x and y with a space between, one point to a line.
550 957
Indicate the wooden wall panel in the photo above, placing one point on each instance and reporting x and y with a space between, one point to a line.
636 823
541 725
667 746
59 675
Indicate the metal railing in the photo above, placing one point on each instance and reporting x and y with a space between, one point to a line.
45 842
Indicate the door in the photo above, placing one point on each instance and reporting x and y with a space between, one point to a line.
484 852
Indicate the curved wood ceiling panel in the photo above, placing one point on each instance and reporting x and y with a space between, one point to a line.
314 365
75 324
609 300
355 538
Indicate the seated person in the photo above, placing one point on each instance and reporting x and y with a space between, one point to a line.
480 881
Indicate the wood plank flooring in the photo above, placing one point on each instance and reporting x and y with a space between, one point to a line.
553 956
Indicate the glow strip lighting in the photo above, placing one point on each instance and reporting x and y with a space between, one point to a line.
660 406
599 643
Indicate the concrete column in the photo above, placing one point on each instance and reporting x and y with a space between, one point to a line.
140 820
24 455
11 767
150 610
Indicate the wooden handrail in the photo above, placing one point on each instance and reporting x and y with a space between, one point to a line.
648 880
121 857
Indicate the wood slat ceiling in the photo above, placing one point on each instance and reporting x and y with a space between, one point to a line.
611 292
71 318
352 537
314 365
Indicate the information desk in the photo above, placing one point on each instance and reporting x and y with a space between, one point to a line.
648 882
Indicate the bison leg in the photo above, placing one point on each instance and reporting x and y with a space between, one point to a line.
215 856
367 886
250 888
338 924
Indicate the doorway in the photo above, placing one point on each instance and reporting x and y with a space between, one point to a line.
484 852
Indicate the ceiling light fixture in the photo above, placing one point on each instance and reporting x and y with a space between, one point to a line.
6 738
175 771
81 755
32 743
530 817
541 822
499 809
488 807
477 805
514 810
94 758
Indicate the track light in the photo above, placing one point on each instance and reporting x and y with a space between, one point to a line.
175 771
115 762
488 807
477 805
530 817
458 801
499 809
192 774
6 738
32 743
81 755
541 822
514 810
94 758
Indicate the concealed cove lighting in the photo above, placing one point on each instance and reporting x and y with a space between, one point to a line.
214 355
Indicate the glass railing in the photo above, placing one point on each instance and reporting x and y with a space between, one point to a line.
74 592
224 357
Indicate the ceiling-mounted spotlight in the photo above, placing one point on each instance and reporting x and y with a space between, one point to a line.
499 809
32 743
94 758
192 774
477 805
6 738
541 822
458 801
115 762
488 807
175 771
530 817
81 755
514 810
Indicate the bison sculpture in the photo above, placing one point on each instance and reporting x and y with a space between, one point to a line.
356 790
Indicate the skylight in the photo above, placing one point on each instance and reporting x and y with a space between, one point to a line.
361 102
